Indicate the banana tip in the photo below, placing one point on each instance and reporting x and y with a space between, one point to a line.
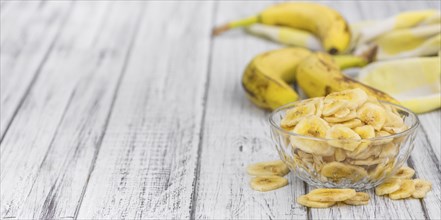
220 29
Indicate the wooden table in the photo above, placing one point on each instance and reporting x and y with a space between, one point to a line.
113 109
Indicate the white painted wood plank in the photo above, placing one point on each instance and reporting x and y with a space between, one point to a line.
32 132
147 162
28 32
58 188
431 126
236 133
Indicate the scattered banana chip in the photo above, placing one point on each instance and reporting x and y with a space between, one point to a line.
422 187
331 195
305 201
389 186
277 168
360 198
404 173
406 190
267 183
339 171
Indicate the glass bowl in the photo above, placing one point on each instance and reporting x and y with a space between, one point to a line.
338 168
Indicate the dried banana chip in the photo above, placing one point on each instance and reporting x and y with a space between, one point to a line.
352 123
389 186
343 137
338 171
267 183
360 198
354 97
383 138
382 170
304 200
365 132
277 168
339 155
315 127
342 113
389 150
422 187
331 195
294 115
372 114
367 162
404 173
348 117
331 107
406 189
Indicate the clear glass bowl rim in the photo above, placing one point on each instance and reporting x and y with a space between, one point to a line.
409 130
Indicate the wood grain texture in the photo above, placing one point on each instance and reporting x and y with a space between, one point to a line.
58 188
40 123
28 31
147 161
236 134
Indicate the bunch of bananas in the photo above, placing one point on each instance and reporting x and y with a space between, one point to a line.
268 77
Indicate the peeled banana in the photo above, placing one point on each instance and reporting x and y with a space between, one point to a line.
327 24
400 21
415 82
319 75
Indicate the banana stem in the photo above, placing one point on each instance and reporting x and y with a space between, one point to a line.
235 24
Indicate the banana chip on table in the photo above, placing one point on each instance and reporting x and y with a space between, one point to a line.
389 186
360 198
404 173
268 183
422 187
406 190
305 201
277 168
331 195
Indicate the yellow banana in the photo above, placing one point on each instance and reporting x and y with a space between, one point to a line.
415 82
319 75
268 76
327 24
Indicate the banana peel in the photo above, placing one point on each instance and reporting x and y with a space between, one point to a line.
415 82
